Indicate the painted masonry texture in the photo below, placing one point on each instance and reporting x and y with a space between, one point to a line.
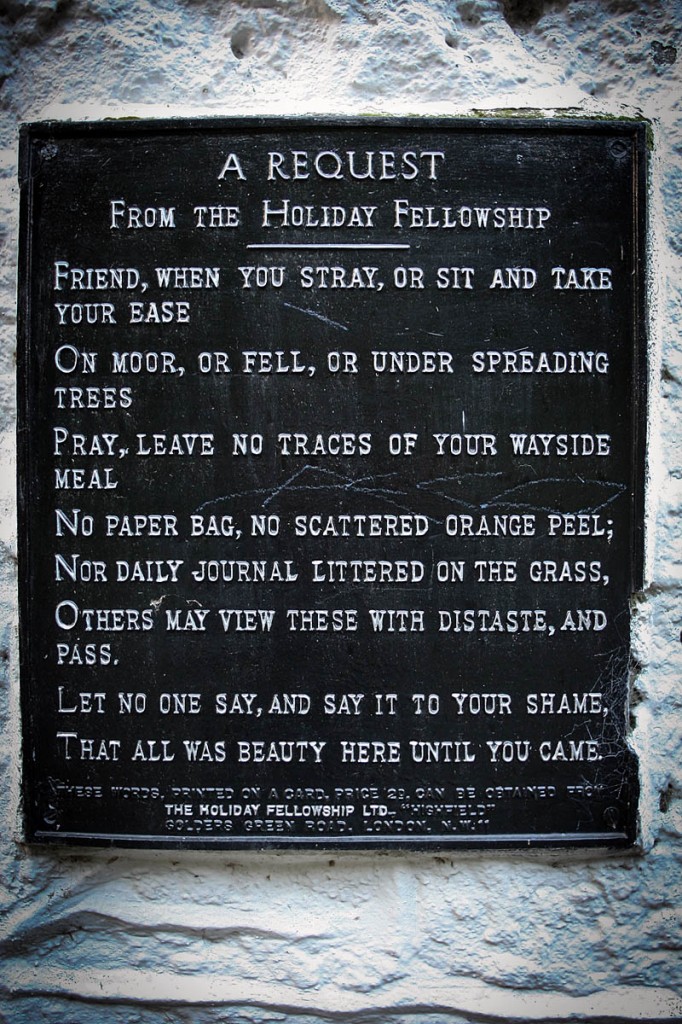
158 938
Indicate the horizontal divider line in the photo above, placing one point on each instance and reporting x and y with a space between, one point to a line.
328 245
450 838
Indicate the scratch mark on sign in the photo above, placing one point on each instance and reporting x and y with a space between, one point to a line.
318 316
301 481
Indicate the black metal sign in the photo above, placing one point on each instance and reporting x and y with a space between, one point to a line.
331 456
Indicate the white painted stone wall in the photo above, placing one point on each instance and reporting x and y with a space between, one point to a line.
150 938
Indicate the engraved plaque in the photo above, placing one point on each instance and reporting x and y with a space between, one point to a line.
331 481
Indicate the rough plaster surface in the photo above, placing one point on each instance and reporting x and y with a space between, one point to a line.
167 938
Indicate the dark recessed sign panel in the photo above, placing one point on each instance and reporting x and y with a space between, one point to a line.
331 457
